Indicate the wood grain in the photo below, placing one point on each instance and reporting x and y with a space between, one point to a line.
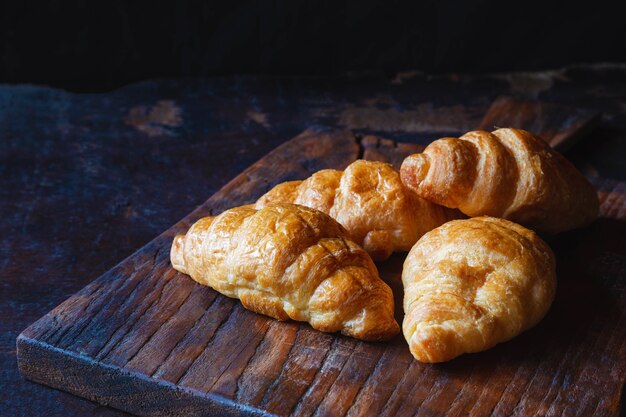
148 340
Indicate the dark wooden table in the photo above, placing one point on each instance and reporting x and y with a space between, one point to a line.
85 180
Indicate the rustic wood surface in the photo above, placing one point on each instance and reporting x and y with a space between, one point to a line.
190 350
87 178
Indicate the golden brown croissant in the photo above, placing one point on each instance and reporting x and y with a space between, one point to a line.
289 262
471 284
370 201
508 173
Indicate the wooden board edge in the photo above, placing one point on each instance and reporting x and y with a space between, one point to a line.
117 387
504 109
564 140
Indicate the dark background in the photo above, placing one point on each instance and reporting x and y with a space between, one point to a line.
84 46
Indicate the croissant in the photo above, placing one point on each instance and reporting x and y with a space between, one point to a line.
370 201
471 284
508 173
289 262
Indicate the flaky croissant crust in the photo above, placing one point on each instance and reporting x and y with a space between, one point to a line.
508 173
471 284
370 201
289 262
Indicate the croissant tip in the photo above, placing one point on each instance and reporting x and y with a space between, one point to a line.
177 257
433 345
414 169
374 323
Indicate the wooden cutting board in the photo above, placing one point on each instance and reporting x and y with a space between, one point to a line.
148 340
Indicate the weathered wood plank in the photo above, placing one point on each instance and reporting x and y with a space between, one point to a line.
155 343
155 351
195 342
298 371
